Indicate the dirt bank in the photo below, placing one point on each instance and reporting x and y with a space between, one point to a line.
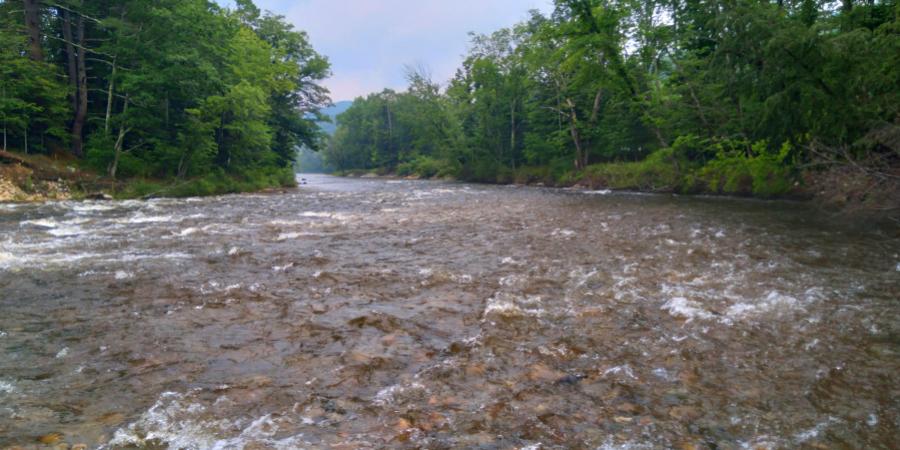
28 178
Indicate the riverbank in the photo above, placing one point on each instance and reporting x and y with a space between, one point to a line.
30 178
847 190
40 178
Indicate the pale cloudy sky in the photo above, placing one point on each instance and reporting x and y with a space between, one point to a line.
369 41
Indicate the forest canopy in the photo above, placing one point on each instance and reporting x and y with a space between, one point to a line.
729 96
164 89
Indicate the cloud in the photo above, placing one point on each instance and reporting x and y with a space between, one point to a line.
370 41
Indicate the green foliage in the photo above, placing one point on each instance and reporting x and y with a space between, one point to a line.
428 167
33 106
727 97
761 172
214 183
658 173
176 89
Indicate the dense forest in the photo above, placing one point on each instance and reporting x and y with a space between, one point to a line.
167 91
751 97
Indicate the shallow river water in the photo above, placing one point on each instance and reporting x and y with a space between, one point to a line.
403 314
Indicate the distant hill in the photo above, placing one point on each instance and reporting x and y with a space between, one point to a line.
333 112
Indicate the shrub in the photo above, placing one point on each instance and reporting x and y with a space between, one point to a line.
428 167
760 172
658 173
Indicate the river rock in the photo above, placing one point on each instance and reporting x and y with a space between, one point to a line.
684 413
98 196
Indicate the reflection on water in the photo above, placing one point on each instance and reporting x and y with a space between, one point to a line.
373 314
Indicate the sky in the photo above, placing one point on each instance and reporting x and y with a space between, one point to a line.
370 41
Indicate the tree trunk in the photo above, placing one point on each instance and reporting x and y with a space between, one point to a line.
33 28
700 112
183 164
81 111
120 141
576 135
598 101
659 137
70 55
512 134
595 116
109 97
4 120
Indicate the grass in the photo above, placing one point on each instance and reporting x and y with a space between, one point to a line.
212 184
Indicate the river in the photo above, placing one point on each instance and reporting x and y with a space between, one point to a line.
359 313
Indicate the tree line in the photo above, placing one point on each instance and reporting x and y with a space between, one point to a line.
751 97
163 89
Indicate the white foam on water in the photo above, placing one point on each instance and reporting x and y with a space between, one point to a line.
170 421
562 232
898 267
341 217
131 257
123 275
66 231
506 305
188 231
461 279
812 344
510 261
63 353
7 387
280 223
687 309
764 443
140 218
60 260
92 207
815 431
3 334
610 444
42 223
624 370
283 268
8 260
513 280
324 215
179 423
390 394
288 236
599 192
774 302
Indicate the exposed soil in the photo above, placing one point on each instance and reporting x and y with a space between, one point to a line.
30 178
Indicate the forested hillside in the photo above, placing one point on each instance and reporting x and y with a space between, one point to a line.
215 99
764 98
